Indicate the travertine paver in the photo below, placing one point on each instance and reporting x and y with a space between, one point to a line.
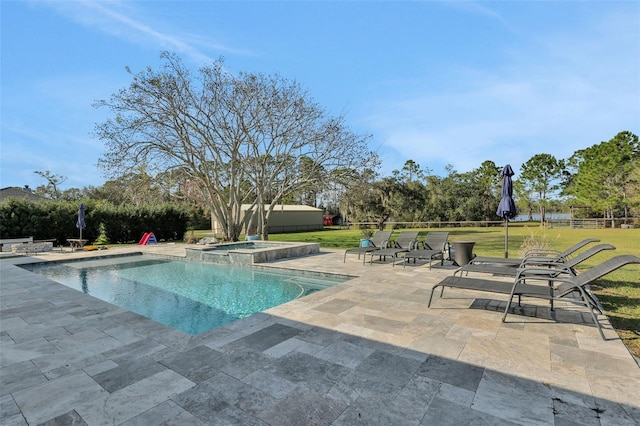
130 401
57 396
367 351
168 413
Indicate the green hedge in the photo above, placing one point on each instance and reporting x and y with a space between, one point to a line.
121 224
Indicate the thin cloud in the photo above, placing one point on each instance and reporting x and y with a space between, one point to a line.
166 40
118 19
477 8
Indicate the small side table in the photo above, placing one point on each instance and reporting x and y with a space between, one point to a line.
462 252
76 243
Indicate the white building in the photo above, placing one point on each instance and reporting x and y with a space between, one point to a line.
284 218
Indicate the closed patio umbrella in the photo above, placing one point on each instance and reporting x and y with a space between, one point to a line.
506 208
80 223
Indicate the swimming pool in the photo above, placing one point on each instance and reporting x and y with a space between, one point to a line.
190 296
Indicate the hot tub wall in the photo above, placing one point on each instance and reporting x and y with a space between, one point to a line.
247 257
285 252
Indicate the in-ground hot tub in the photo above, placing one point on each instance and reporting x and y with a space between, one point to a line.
250 252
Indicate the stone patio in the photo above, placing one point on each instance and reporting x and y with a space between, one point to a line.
367 351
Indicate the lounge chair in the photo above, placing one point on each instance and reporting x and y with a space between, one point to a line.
537 269
406 241
566 266
552 254
569 285
433 248
379 241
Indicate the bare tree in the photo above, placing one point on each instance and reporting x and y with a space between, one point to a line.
52 188
239 139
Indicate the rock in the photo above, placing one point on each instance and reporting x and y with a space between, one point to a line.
208 240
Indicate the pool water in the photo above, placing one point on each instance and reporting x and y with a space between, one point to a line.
241 246
190 296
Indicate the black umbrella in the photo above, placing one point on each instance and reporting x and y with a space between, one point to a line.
506 208
80 223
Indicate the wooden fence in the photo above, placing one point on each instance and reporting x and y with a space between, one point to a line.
593 223
557 223
429 224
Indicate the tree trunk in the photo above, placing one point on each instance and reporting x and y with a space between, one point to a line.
214 227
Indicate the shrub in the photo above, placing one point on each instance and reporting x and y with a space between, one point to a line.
114 224
535 241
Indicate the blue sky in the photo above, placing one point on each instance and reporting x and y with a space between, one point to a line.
436 82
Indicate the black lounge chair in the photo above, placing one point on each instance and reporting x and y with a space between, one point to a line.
550 254
567 266
433 248
379 241
569 285
405 242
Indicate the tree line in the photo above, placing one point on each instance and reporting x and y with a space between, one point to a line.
605 177
604 180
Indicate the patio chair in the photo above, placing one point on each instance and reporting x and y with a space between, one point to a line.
406 241
433 248
568 286
551 254
379 241
567 266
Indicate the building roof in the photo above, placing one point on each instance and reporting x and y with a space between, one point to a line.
17 192
288 208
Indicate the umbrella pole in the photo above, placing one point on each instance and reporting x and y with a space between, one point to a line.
506 238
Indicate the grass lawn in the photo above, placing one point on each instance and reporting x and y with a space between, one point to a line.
619 291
